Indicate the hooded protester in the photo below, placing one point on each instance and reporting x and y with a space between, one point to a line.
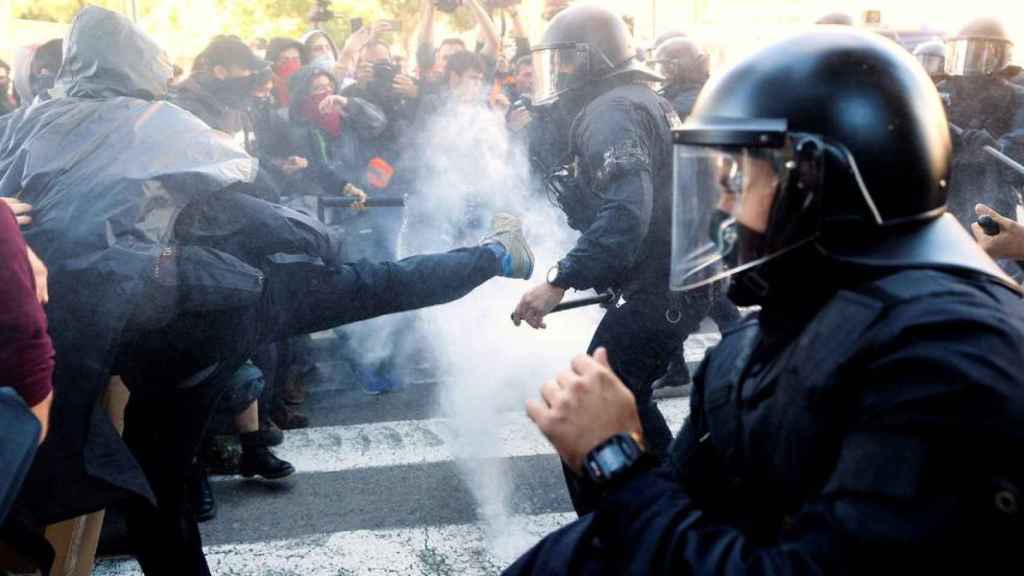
159 271
317 45
220 88
285 58
330 131
36 70
7 103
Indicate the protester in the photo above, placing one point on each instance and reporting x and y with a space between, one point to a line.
26 358
26 352
174 300
331 132
7 102
433 64
220 89
285 57
36 69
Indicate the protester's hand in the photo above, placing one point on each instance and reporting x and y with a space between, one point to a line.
357 193
42 413
357 40
519 120
405 86
536 304
41 275
294 164
1009 243
584 406
333 103
22 211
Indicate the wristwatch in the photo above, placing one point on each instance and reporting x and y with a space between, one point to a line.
555 276
612 458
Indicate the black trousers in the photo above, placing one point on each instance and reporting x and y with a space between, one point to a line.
165 422
641 341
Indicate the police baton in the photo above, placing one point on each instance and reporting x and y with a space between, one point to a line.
606 298
1002 158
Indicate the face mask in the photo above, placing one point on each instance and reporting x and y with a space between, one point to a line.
4 85
40 84
324 61
260 102
329 122
284 71
231 92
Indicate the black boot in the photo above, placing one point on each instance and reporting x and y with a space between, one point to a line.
258 460
203 504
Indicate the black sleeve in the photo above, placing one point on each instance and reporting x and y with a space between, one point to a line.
900 492
425 57
615 149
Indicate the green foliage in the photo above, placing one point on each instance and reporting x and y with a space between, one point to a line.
248 18
57 10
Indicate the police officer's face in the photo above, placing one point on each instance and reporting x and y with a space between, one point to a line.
752 205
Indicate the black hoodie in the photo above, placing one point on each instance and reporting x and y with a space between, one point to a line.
108 167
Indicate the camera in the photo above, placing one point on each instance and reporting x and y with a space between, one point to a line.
448 6
321 12
382 83
384 73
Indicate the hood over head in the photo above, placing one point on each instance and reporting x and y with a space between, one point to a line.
307 40
106 55
298 86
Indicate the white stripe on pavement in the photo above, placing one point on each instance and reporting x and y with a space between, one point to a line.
463 549
414 442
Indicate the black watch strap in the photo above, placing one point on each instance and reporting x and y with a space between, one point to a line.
612 459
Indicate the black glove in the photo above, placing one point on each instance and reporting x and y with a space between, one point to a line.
976 139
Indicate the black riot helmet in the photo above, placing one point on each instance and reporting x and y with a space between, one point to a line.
583 46
932 56
681 60
982 48
830 146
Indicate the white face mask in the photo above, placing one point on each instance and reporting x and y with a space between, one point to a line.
325 60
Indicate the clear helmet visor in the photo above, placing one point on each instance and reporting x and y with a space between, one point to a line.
555 70
716 190
976 57
933 64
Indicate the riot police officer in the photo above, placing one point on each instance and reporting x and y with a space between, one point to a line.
618 194
932 56
870 418
990 111
684 65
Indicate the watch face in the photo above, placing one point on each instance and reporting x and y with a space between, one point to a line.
552 274
610 459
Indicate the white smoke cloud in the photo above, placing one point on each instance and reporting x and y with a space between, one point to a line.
472 168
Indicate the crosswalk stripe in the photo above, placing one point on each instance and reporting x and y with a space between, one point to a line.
412 442
464 549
